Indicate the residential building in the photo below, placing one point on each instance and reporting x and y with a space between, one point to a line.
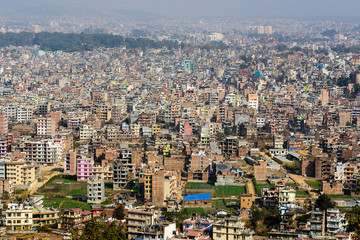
95 190
18 219
83 169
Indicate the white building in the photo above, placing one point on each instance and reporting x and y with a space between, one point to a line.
25 113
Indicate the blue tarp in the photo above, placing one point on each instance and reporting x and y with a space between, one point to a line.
203 196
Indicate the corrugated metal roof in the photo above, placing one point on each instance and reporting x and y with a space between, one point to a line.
203 196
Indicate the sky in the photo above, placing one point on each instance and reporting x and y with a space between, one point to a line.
194 8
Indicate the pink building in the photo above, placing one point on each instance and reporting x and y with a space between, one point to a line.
84 169
187 129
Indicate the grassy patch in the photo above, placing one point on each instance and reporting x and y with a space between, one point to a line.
190 211
336 197
219 204
315 184
293 185
67 203
300 193
196 185
62 186
227 191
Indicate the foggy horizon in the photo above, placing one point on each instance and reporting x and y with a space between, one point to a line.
187 8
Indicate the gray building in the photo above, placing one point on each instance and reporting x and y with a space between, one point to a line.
95 190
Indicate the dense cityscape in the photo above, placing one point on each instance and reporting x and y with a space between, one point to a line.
169 129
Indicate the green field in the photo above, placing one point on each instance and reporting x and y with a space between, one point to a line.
315 184
59 189
337 197
190 211
300 193
215 191
65 203
293 185
196 185
228 191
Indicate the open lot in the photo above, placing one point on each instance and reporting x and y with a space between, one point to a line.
215 191
59 190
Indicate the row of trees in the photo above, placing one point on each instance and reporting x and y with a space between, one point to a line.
71 42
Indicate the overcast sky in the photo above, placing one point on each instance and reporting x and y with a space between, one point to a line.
193 8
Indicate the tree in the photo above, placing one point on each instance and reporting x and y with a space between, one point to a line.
324 203
119 212
100 231
6 195
353 219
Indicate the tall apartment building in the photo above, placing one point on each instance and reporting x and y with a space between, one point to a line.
6 186
70 163
84 169
231 228
86 132
11 110
18 219
25 113
253 101
20 173
46 127
4 125
95 190
3 148
2 169
138 219
44 109
123 173
44 152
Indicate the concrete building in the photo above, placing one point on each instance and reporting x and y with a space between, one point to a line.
83 169
86 132
95 190
4 125
70 163
123 172
46 127
231 228
25 113
18 219
6 186
138 219
45 216
287 195
44 152
20 173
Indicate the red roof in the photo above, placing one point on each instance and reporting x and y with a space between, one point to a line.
75 210
86 212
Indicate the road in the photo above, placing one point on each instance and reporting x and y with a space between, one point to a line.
250 188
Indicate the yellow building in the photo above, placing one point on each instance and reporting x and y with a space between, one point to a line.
231 228
20 173
155 129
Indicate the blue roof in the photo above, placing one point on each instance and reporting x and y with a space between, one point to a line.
203 196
